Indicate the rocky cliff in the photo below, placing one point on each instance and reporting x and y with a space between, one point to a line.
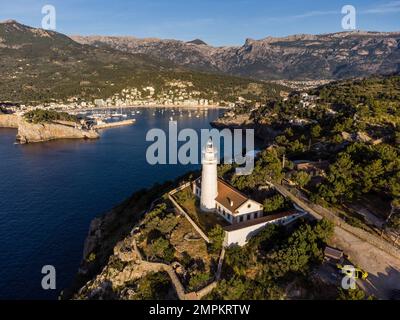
9 121
30 132
302 57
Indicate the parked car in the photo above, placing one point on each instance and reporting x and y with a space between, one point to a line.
358 273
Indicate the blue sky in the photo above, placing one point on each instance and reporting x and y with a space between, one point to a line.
218 22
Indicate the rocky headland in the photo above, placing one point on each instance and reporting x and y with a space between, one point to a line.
46 131
109 256
9 121
31 132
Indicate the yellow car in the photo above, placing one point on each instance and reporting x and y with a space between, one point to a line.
355 272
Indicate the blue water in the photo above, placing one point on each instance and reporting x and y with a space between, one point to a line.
49 193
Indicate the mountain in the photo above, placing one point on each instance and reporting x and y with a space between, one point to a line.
198 42
43 66
299 57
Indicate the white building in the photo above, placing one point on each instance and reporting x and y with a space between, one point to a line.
244 216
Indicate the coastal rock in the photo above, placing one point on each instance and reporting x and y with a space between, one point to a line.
233 121
122 268
30 132
9 121
93 237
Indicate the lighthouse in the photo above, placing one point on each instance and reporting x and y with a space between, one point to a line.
209 178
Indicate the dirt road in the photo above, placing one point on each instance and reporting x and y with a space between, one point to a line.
383 269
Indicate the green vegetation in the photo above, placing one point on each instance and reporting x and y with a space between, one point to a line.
275 203
157 228
271 260
361 169
43 66
301 178
267 167
154 286
205 220
162 238
353 125
356 294
199 281
217 236
46 116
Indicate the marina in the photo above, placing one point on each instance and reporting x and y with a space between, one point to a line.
104 125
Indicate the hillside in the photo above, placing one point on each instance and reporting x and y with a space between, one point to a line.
299 57
44 66
340 145
348 135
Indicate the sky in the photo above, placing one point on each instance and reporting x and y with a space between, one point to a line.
217 22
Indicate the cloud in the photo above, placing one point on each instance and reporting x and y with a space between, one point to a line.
304 15
389 7
314 14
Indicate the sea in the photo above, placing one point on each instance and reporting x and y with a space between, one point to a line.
50 191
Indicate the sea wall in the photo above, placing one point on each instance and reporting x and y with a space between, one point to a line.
9 121
30 132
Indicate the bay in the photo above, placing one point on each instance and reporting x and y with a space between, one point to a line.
49 193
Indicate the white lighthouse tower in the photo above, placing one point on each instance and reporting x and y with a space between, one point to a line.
209 183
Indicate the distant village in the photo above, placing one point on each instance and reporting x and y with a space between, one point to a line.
179 93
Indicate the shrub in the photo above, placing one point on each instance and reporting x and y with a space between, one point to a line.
43 116
217 237
199 281
274 203
161 248
154 286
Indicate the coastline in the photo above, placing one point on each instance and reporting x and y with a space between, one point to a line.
154 106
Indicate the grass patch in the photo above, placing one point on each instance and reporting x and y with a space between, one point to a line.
205 220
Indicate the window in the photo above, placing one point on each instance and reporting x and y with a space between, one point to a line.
249 217
241 219
249 205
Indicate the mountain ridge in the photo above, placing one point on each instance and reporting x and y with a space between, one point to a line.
40 66
297 57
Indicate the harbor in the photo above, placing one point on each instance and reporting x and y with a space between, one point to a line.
105 125
104 118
